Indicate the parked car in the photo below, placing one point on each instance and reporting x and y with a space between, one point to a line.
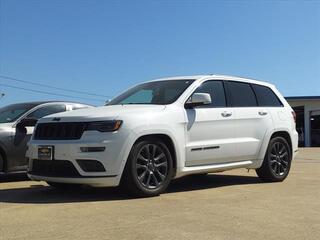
165 129
17 122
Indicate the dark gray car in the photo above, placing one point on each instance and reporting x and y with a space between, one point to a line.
17 122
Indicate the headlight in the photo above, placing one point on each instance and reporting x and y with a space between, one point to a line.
104 126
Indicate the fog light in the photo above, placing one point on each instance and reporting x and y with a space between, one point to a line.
92 149
88 165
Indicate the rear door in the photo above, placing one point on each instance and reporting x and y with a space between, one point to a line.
210 129
251 121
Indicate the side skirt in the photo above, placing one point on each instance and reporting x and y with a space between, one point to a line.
213 168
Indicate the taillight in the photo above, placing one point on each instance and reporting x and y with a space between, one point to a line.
294 116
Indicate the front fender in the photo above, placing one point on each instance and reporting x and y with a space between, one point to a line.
147 131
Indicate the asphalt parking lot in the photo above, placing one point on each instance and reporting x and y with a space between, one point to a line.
229 205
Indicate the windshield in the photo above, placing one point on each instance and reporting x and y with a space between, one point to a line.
12 112
158 92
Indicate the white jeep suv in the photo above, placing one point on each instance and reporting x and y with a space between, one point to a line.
165 129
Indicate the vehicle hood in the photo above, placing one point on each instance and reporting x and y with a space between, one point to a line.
102 113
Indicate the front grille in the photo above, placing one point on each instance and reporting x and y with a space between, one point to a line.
54 168
59 131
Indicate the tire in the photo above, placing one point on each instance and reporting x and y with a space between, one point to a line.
277 161
149 168
63 186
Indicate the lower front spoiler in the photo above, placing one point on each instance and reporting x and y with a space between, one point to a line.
105 181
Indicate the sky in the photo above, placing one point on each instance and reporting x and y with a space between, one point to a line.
104 47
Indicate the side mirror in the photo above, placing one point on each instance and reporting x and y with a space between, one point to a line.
198 99
27 122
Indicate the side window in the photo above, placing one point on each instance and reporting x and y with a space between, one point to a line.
216 91
266 97
242 94
47 110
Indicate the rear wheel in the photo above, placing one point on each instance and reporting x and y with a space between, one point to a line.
277 161
149 168
63 185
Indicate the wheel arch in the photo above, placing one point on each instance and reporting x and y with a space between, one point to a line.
276 133
285 135
265 172
167 140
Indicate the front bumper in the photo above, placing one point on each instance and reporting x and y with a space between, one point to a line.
93 181
66 166
65 172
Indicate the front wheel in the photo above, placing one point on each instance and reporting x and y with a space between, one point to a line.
277 162
149 168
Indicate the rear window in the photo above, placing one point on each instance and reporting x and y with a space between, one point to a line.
241 94
266 97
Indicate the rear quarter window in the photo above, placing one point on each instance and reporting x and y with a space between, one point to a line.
266 97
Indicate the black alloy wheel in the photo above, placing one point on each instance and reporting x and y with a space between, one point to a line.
149 168
277 161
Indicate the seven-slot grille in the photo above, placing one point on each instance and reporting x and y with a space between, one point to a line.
59 131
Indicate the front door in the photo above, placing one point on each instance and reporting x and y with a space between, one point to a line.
210 129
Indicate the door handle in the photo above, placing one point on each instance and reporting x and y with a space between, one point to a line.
263 113
226 114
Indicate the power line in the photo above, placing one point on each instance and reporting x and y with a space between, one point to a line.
49 93
52 87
